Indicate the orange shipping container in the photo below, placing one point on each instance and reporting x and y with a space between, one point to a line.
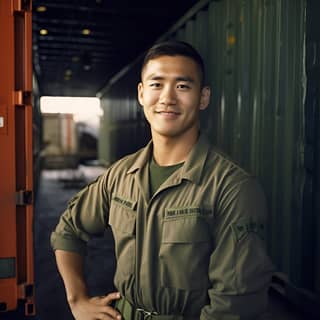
16 185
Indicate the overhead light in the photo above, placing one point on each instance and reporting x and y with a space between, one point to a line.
41 8
86 32
43 32
75 59
68 72
87 61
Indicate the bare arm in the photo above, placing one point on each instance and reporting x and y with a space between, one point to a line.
70 266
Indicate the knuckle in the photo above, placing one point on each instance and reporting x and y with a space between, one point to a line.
112 312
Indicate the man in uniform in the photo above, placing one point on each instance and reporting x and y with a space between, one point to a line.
187 221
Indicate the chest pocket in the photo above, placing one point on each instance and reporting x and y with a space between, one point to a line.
122 219
185 251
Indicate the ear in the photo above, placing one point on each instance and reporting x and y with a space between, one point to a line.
140 93
205 98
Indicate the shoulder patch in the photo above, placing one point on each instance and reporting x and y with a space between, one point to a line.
242 228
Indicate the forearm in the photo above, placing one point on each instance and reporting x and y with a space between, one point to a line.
71 268
83 307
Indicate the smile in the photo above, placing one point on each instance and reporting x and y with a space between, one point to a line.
168 112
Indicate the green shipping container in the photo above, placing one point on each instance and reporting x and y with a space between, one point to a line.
264 113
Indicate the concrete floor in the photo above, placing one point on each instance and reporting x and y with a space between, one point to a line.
56 188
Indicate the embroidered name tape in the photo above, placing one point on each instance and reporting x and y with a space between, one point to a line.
188 211
125 202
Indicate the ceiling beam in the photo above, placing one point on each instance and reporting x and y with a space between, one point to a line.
69 39
72 22
71 53
119 11
73 46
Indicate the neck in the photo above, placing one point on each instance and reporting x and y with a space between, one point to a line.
170 151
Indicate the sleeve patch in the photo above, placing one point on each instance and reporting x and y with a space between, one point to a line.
242 228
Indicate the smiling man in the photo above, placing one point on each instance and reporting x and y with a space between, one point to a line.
188 222
172 95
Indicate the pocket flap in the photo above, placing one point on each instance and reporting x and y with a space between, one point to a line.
186 230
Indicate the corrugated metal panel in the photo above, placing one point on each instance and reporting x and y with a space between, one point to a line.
254 51
255 54
123 128
312 135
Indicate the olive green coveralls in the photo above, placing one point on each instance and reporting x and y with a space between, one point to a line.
193 250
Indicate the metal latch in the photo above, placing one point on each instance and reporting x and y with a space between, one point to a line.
24 197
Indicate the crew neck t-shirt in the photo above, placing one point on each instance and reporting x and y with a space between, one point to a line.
159 174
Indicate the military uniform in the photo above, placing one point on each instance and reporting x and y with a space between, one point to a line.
193 249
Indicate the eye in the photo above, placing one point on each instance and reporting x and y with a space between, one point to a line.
155 84
183 86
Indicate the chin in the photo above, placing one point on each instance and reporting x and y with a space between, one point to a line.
170 133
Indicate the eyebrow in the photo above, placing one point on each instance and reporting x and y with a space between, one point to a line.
180 78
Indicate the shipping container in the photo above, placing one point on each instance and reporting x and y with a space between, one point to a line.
262 61
60 141
123 128
16 158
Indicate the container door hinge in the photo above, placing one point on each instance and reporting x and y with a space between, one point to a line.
24 197
25 290
22 5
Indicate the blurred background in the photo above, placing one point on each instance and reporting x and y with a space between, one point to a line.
68 109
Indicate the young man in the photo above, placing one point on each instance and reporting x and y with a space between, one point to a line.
187 221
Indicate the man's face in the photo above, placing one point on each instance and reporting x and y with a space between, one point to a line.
171 96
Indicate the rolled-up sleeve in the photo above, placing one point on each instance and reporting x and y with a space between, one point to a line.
84 218
240 270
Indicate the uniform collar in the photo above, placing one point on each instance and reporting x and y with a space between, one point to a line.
142 158
193 166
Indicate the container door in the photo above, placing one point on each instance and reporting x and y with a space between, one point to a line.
16 185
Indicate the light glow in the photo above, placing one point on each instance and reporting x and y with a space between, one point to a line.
84 109
43 32
41 9
86 32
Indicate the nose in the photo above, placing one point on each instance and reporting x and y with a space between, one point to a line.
168 95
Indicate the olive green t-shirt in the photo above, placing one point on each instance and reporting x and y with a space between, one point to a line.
159 174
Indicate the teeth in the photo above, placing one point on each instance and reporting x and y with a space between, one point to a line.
167 112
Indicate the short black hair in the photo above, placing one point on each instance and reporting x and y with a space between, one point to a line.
175 48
